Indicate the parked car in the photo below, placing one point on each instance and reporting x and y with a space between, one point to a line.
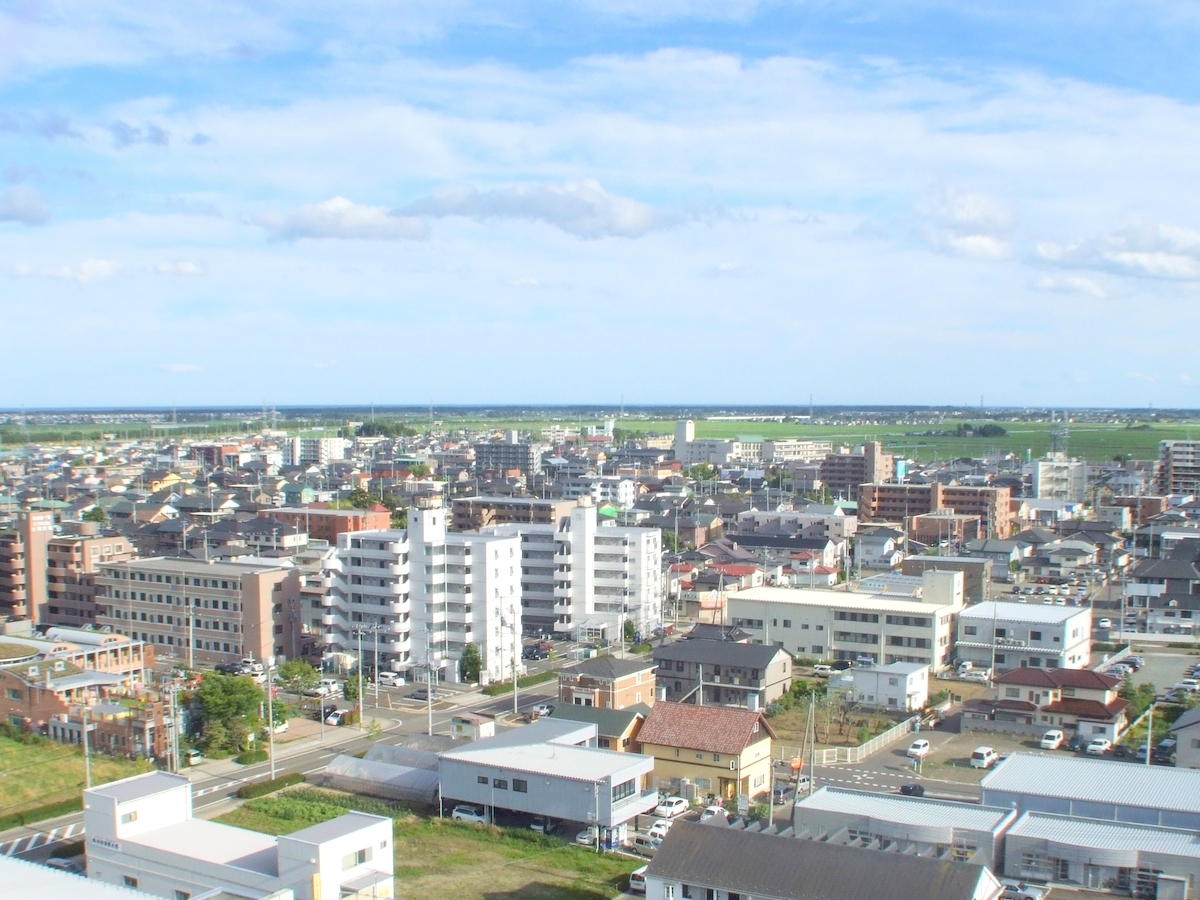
1052 739
391 679
1164 752
670 807
1136 661
1019 890
918 749
822 671
784 793
543 709
65 865
587 837
325 710
1187 686
326 687
192 757
466 813
229 669
422 694
1076 743
980 675
643 845
1099 746
337 717
1104 623
711 812
534 652
660 828
637 880
984 758
912 789
543 825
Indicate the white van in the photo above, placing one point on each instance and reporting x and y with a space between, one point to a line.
637 880
1052 739
965 666
984 758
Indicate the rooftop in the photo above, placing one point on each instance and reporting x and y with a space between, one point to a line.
552 760
336 828
906 810
729 653
211 842
836 599
25 880
1035 613
1096 834
231 569
709 729
608 722
139 786
609 667
1097 781
1059 678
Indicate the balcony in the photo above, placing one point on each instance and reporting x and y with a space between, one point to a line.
626 809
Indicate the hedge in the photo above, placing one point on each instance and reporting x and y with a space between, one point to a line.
259 788
38 813
503 687
250 757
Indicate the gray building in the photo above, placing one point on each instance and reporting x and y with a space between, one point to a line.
499 456
1095 789
909 825
1186 732
728 673
976 572
553 768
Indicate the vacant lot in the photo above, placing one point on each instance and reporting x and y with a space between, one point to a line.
42 771
439 858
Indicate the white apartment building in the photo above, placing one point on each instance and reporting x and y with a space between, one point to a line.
367 588
784 451
1025 634
584 579
317 450
141 834
1058 477
835 525
824 624
466 589
612 489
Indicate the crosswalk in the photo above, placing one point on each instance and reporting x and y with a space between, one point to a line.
61 834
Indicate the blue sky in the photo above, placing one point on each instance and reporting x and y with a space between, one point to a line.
547 202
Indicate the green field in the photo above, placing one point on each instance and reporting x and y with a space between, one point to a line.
440 858
36 772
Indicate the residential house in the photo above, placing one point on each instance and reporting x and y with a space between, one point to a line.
616 729
608 683
1003 553
902 687
1074 700
723 672
879 548
723 751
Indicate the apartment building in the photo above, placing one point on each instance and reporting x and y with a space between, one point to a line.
692 451
823 624
472 513
785 451
329 524
72 561
722 673
585 579
211 612
1179 467
23 587
507 455
830 522
1016 635
897 502
844 471
622 492
317 451
1058 477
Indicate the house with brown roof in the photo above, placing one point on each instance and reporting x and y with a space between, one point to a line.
1078 700
722 750
608 683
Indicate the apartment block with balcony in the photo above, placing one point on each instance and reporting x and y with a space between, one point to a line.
898 502
366 588
23 588
508 455
72 561
210 612
1179 467
1021 635
1058 477
843 472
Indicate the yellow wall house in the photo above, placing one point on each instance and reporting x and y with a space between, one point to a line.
723 750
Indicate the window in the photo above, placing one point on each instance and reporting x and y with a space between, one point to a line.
520 785
787 623
687 891
130 881
1035 635
668 892
500 784
14 694
970 629
128 817
182 895
624 789
716 757
357 858
1014 693
481 779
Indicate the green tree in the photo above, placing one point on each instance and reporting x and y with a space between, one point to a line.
419 470
96 514
630 631
400 518
1014 566
360 499
222 697
350 688
374 730
471 663
297 676
670 542
702 472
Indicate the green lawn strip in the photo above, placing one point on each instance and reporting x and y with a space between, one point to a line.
504 687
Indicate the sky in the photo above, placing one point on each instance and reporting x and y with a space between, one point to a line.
692 201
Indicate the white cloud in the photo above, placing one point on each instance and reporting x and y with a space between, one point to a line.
182 267
342 218
1142 376
21 203
967 224
582 208
1071 284
88 270
1140 251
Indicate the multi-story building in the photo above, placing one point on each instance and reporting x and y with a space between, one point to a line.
602 489
1077 701
509 454
830 522
1058 477
722 673
471 513
210 612
605 682
824 624
1179 467
72 561
897 502
328 524
1016 635
23 587
692 451
785 451
584 579
365 589
843 472
317 451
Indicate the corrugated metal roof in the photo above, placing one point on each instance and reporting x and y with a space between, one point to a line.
555 760
1103 835
1097 781
837 600
907 810
1041 613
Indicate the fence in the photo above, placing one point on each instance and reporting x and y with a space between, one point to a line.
833 755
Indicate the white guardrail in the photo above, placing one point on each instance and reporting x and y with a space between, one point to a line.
833 755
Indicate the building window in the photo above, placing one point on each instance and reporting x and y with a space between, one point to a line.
520 785
500 784
1035 635
716 757
624 789
970 629
15 693
182 895
481 779
130 881
357 858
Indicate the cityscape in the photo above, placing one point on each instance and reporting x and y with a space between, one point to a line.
595 450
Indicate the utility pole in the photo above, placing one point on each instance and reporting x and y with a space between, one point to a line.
271 714
87 759
361 724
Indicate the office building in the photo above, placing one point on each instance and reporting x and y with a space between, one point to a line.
843 472
23 556
1015 635
72 561
976 572
142 834
823 624
1179 467
898 502
237 609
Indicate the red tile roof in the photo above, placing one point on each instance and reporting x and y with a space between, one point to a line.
1092 710
710 729
1059 678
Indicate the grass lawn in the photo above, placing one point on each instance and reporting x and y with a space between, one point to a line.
45 771
440 858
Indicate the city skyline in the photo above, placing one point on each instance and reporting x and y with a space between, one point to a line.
224 205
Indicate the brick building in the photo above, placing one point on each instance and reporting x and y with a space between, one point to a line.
72 561
608 683
323 524
898 502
